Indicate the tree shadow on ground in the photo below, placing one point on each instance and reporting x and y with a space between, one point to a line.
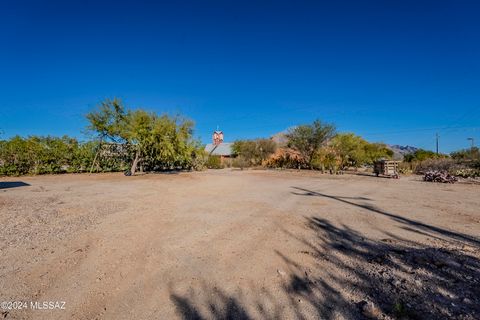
393 278
399 277
221 306
343 274
409 222
354 278
12 184
207 302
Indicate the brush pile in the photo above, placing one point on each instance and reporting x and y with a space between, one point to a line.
439 176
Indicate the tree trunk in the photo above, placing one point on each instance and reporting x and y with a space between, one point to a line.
95 159
135 162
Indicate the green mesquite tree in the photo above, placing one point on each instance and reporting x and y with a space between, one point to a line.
309 138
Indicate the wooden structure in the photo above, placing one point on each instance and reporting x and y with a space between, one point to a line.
386 168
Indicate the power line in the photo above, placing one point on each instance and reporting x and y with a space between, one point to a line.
419 129
470 113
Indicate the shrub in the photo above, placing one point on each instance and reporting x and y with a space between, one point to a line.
199 160
286 158
476 164
214 162
441 164
354 151
50 155
466 154
39 155
422 155
254 152
467 173
240 162
405 168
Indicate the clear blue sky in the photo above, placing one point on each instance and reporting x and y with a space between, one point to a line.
392 71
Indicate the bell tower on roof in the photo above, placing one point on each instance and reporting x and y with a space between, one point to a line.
217 137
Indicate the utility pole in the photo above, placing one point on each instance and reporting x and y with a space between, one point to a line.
436 136
473 142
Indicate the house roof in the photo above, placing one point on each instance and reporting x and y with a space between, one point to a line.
223 149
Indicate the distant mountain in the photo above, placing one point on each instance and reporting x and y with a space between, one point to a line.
400 151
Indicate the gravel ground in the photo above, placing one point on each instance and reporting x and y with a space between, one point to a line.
247 244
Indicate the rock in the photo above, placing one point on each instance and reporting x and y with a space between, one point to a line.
369 309
281 272
396 283
467 301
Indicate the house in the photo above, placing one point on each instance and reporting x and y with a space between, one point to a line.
218 147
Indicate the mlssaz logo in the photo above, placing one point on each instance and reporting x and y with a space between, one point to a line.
47 305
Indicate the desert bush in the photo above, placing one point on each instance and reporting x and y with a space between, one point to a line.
422 155
405 168
17 156
214 162
83 157
354 151
468 161
327 159
467 154
38 155
475 164
199 159
47 155
254 152
227 162
240 162
440 164
467 173
286 158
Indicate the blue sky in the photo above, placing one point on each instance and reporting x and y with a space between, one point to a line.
391 71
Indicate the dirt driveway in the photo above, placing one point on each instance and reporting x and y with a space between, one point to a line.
238 245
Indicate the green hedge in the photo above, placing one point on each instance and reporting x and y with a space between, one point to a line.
44 155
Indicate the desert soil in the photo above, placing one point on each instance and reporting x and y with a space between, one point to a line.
239 245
